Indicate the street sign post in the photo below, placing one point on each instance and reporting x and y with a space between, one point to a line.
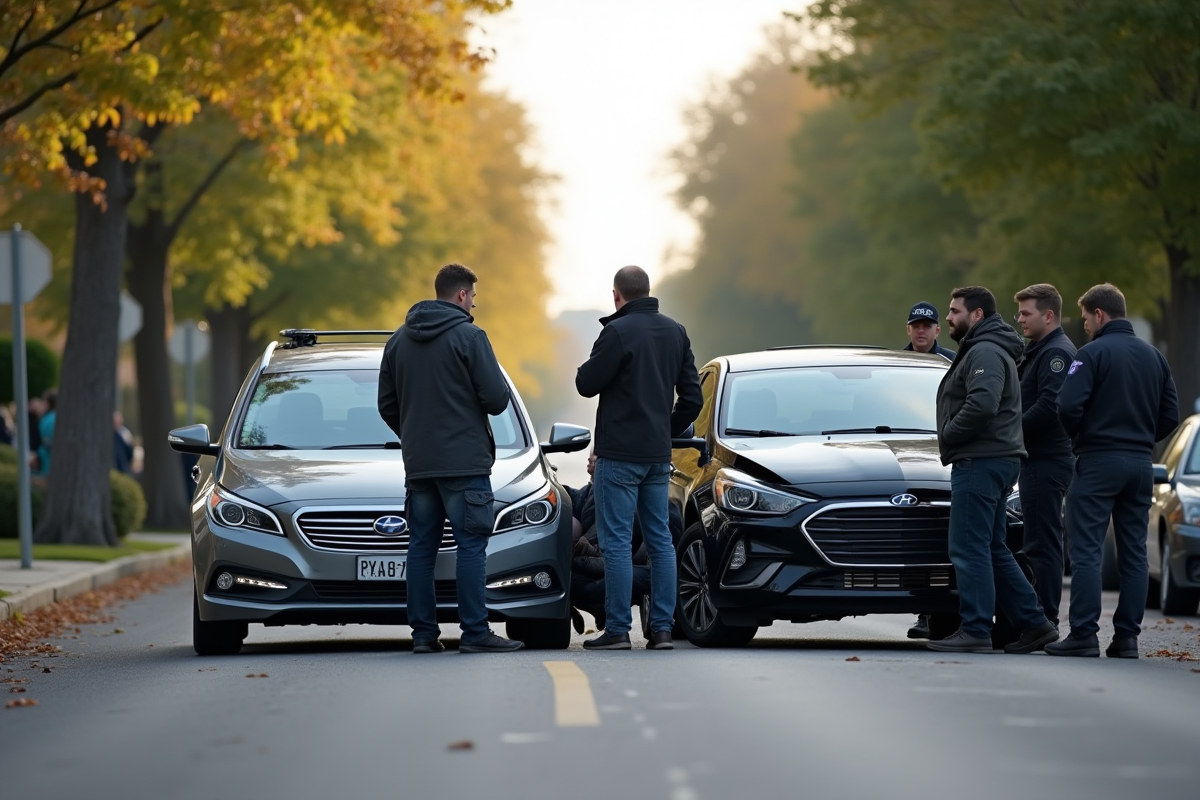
189 344
24 271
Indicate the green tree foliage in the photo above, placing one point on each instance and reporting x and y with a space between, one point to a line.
41 368
1072 127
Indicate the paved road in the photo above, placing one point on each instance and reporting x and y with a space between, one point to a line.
349 713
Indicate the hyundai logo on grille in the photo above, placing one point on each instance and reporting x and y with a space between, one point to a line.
897 500
390 526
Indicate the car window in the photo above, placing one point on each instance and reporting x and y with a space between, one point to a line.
1193 462
809 400
1172 448
332 408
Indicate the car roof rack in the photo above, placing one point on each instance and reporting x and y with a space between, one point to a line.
307 337
818 346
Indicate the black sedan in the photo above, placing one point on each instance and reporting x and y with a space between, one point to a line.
1173 535
820 494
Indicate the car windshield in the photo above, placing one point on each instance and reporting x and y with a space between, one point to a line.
813 400
315 410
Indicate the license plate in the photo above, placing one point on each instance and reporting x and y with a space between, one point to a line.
382 568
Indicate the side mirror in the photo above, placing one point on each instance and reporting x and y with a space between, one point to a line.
565 438
1160 474
193 439
693 443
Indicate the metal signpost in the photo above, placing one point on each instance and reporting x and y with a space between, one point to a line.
189 344
24 271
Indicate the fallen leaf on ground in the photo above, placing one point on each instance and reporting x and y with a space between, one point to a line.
1187 626
47 669
462 744
21 702
17 690
118 630
258 675
1196 670
1185 655
952 662
854 658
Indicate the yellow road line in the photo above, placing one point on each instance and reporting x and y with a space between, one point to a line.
573 701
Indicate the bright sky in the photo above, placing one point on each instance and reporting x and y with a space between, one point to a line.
605 84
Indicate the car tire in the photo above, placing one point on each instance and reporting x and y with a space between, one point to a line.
943 625
695 612
216 638
540 634
1173 598
1110 578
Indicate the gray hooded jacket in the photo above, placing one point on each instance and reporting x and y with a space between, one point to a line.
438 382
979 400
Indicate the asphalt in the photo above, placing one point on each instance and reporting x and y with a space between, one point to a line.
832 710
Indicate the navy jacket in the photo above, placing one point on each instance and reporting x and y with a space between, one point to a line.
1118 396
641 360
438 382
1042 370
937 350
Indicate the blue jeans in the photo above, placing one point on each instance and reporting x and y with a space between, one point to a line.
467 504
987 573
1120 486
623 490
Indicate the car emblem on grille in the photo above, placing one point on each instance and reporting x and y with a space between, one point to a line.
901 500
390 526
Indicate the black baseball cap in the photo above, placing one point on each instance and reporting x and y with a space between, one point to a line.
923 312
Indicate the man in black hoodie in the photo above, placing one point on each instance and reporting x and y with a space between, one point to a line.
1117 400
438 382
979 432
639 363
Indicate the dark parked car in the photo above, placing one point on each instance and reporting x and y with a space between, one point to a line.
822 495
1173 535
298 515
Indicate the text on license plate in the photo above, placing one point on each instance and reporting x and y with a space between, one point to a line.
382 568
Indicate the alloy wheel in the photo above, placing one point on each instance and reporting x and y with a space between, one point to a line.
694 600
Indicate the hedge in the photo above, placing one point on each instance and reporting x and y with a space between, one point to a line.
41 368
128 502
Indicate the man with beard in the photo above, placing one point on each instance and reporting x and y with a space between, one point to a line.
979 433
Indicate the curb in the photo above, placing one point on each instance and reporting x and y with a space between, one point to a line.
89 579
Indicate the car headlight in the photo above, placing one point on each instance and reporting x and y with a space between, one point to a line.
742 494
1013 504
1191 512
231 511
537 509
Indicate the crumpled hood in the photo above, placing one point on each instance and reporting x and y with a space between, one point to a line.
429 319
994 329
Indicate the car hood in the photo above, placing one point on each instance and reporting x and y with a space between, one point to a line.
271 477
904 460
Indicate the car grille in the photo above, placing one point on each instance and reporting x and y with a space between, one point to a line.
919 578
379 591
884 535
352 530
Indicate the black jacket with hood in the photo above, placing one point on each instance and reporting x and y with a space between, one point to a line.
438 382
979 400
638 364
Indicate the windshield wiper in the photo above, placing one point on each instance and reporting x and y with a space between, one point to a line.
877 429
383 446
761 433
266 447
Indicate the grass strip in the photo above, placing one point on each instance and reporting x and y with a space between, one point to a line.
11 548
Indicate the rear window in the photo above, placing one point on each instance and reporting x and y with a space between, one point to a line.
314 410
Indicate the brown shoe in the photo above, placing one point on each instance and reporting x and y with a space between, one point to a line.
660 641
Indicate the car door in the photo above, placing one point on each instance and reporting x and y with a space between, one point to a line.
1166 500
687 472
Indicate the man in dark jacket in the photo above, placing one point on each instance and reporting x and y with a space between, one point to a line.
438 382
979 432
638 364
1118 399
1046 474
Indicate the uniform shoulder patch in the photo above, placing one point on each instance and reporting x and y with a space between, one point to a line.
1075 365
1058 364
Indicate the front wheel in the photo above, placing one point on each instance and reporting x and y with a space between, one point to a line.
216 638
697 614
1173 598
541 634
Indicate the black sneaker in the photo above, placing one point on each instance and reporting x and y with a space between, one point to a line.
1078 646
1033 639
491 644
1122 647
920 629
959 642
427 646
608 641
660 641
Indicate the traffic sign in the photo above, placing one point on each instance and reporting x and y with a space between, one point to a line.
131 318
34 258
177 346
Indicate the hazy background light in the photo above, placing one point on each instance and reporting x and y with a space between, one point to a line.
605 85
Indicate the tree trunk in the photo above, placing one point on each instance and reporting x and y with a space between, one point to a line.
150 284
231 357
78 503
1183 328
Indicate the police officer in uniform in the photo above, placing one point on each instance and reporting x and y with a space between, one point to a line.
1046 474
923 331
1117 400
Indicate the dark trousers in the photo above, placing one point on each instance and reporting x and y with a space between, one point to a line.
1043 484
1118 486
988 576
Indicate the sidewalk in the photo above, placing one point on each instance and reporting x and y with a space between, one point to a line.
52 581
